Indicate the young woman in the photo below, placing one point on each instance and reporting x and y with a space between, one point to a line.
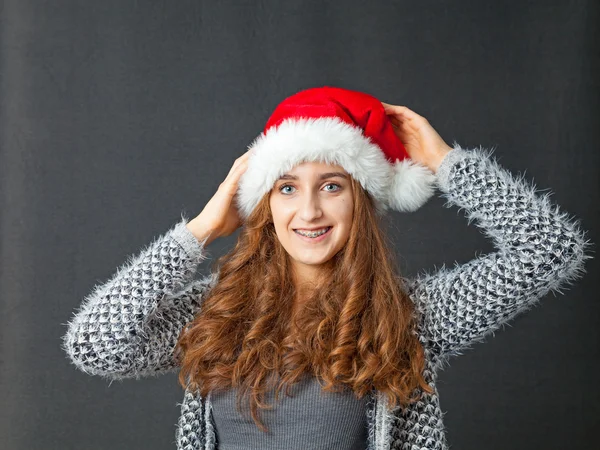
304 335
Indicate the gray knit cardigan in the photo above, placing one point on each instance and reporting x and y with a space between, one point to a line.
128 327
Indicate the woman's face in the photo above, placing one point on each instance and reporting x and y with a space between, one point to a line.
312 197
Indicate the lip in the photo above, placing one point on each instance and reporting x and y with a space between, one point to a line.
314 240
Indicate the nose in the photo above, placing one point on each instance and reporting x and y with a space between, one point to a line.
310 208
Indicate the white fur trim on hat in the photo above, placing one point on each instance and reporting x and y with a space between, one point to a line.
404 185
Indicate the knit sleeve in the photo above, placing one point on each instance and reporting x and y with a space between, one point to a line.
539 250
128 327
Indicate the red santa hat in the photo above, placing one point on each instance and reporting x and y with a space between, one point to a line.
335 126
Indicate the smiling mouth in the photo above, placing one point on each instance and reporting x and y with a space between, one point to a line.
313 234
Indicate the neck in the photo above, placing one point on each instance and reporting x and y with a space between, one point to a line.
307 279
304 276
303 293
304 288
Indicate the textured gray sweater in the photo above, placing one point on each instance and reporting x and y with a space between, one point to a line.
128 327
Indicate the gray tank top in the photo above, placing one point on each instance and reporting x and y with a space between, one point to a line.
311 419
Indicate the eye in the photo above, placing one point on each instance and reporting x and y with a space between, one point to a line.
283 187
334 184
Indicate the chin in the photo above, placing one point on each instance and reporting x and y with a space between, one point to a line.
313 261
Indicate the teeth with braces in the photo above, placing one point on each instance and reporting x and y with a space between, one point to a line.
313 233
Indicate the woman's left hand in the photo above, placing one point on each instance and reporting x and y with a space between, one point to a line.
422 142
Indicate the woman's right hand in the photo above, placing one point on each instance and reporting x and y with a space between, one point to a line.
220 216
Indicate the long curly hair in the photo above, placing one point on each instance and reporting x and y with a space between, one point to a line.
356 330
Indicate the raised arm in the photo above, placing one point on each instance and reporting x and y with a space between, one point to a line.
539 249
128 327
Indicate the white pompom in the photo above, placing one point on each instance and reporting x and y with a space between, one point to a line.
413 184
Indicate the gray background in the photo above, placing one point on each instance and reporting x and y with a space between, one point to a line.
117 116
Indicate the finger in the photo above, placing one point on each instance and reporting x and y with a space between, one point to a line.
230 184
398 125
399 112
237 171
396 109
245 155
402 111
395 119
239 160
232 168
397 122
412 115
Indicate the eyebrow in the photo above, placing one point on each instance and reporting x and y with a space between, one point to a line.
323 176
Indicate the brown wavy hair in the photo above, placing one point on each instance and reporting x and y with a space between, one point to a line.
355 330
